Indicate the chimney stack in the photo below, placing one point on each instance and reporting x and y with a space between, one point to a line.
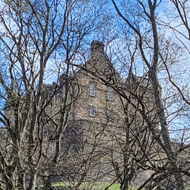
97 48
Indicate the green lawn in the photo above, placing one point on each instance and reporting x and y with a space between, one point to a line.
95 186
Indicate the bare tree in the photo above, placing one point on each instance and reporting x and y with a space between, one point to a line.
39 41
155 53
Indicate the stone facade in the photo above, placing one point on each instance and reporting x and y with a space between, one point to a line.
97 112
103 108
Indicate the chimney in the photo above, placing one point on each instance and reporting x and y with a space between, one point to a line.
99 61
97 48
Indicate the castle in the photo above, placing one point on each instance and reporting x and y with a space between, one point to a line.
90 124
104 111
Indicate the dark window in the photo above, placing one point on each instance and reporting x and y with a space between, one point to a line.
110 115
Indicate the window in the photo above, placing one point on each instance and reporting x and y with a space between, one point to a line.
53 101
92 111
109 93
110 115
92 89
75 89
64 91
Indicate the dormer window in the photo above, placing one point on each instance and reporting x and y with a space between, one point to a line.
92 111
92 89
109 93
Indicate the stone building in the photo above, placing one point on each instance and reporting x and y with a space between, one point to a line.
97 90
101 119
104 112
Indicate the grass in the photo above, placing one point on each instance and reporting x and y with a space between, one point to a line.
95 186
